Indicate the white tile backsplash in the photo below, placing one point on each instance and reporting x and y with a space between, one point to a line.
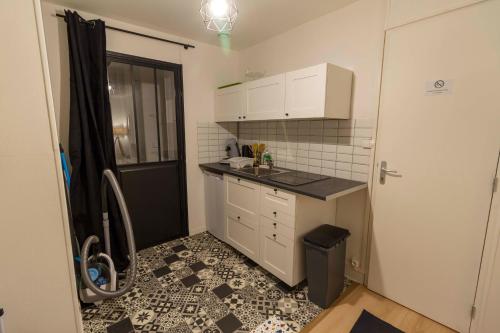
212 140
339 148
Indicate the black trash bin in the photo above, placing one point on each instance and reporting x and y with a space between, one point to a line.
325 263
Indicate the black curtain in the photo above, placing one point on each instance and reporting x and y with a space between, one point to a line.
91 148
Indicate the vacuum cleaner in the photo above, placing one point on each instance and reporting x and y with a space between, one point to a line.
98 273
2 328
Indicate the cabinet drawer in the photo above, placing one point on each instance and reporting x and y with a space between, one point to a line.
277 200
243 234
276 254
275 215
277 227
242 194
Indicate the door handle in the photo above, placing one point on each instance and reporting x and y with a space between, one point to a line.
389 171
384 171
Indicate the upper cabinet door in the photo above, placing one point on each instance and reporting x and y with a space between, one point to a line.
230 103
266 98
322 91
305 92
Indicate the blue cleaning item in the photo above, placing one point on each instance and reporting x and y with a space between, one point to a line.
94 273
65 167
101 281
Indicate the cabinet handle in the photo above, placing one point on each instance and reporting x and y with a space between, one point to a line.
239 117
275 190
275 214
286 114
244 117
238 217
274 236
238 180
274 224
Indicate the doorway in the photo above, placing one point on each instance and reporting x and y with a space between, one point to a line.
148 129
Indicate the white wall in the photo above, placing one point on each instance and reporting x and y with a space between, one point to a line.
204 68
37 284
351 37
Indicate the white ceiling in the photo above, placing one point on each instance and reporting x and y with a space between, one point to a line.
257 20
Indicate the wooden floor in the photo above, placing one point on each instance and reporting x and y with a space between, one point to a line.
342 315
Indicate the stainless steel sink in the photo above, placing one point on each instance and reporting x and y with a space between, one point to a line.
261 172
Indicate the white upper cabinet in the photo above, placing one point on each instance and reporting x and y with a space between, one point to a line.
266 98
230 103
322 91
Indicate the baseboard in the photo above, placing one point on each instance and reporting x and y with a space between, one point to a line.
194 231
355 276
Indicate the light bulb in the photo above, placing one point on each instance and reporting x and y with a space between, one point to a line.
218 8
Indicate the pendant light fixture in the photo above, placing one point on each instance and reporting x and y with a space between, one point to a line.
219 15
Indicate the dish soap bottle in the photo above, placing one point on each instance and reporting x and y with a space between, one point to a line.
267 159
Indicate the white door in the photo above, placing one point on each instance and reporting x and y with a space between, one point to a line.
487 319
266 98
429 220
306 92
230 103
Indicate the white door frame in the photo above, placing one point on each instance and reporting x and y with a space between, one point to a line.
57 160
492 243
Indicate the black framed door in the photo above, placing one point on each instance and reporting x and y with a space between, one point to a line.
148 127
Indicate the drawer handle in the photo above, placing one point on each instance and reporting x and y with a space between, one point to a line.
275 213
238 180
275 190
274 236
274 225
238 217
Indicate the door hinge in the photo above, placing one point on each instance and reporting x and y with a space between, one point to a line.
495 184
473 311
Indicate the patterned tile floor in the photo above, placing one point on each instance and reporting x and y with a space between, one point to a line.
200 284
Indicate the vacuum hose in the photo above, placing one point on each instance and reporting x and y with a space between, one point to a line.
109 178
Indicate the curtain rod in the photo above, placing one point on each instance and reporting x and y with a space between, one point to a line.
186 46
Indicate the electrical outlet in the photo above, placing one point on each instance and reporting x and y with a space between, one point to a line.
355 264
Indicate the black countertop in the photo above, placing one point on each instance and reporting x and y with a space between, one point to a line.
326 189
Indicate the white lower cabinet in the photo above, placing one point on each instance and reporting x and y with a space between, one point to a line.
243 234
276 253
242 195
267 225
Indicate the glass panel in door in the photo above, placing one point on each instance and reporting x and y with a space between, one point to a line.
122 104
166 97
146 115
